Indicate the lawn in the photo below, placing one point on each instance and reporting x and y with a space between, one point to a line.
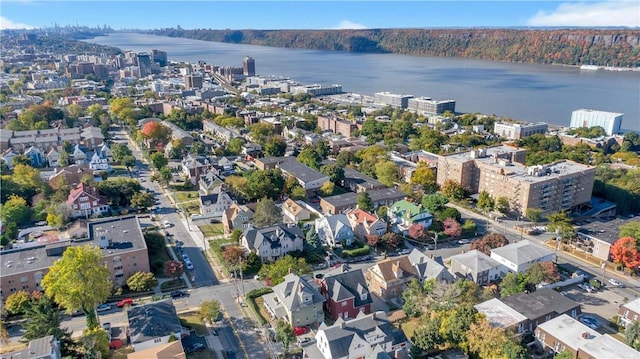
262 312
410 326
122 352
190 207
192 320
210 230
186 196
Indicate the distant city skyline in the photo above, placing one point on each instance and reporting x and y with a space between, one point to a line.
321 15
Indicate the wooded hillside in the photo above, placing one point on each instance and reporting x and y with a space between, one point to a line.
570 47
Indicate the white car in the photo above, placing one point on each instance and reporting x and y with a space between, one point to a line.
616 283
189 265
103 308
463 241
587 287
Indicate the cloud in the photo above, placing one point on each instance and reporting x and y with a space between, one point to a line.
348 25
8 24
607 13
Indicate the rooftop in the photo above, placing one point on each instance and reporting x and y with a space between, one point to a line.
522 252
540 303
123 234
607 231
499 314
476 261
153 320
606 346
569 331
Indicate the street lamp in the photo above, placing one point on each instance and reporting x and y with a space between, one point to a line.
435 245
558 241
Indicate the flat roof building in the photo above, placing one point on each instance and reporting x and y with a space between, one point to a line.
426 105
120 239
499 171
610 121
516 131
391 99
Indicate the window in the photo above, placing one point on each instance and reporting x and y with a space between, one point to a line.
344 304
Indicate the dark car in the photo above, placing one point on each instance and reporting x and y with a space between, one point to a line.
178 294
194 348
231 354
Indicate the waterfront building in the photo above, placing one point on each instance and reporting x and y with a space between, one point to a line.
159 57
391 99
249 66
516 131
426 105
610 121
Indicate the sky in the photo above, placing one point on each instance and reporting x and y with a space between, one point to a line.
278 15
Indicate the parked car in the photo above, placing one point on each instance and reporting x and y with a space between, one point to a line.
188 264
464 241
107 326
178 294
300 330
616 283
194 348
591 322
116 344
103 308
587 287
304 340
185 257
126 301
231 354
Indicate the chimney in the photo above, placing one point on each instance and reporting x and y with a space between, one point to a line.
585 335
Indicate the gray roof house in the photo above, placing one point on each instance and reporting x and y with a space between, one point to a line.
334 229
541 306
273 242
477 266
520 255
428 268
346 292
358 338
215 203
296 300
42 348
153 324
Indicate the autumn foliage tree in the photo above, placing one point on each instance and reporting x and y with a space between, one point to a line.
173 269
625 252
451 227
489 242
417 231
155 132
233 255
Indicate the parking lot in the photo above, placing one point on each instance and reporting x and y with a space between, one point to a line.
602 304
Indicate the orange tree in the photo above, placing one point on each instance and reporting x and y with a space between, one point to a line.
625 253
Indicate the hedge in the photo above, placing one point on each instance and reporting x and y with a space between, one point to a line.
259 292
356 252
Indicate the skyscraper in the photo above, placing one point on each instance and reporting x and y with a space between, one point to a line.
159 57
249 65
143 61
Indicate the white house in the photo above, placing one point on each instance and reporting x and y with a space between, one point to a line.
519 256
99 164
215 203
271 243
153 324
334 229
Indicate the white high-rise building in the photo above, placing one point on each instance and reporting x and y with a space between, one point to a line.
610 121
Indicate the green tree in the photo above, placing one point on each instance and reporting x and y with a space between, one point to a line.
565 354
534 214
79 281
284 334
425 176
487 341
632 334
158 160
427 336
364 201
141 281
234 147
387 172
536 274
453 190
512 283
275 146
17 302
16 210
335 172
198 148
327 189
142 200
313 243
485 202
119 151
630 229
435 202
42 319
450 212
128 161
267 213
95 343
209 310
560 223
412 298
310 157
277 270
502 205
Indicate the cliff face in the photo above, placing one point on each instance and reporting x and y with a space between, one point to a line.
569 47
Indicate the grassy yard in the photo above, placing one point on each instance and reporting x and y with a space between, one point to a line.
186 196
410 326
122 352
192 321
210 230
261 309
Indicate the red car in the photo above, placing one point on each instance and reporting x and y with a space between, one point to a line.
300 330
122 303
116 343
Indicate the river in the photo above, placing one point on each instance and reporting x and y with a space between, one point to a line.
524 92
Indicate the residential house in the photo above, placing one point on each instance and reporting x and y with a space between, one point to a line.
193 167
105 152
501 315
47 347
334 230
428 268
71 175
629 312
310 179
237 216
341 202
365 223
605 347
98 163
86 201
366 336
358 182
477 266
52 157
389 278
541 306
273 242
79 157
92 137
36 156
214 204
521 255
403 214
171 350
8 156
346 293
208 181
295 211
153 324
296 300
564 333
